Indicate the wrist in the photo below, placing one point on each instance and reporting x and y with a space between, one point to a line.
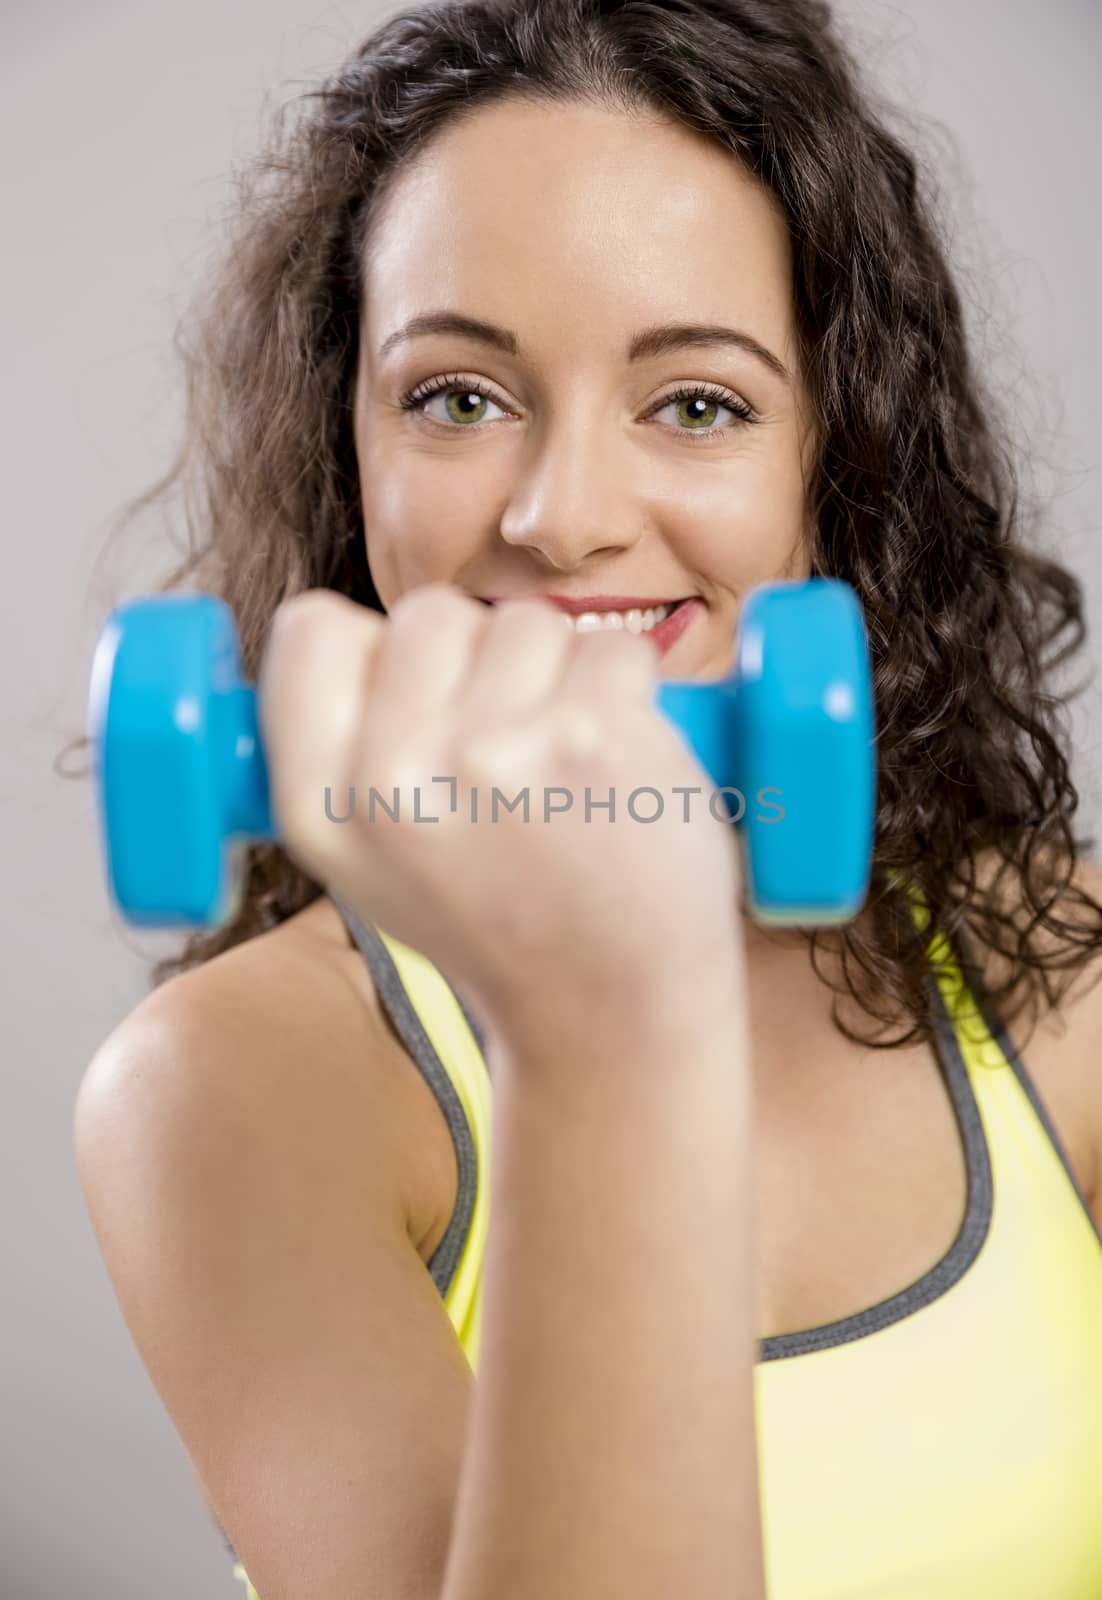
660 1018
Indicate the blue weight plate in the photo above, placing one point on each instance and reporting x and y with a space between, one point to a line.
153 713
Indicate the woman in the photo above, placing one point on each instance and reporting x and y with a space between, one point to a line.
804 1291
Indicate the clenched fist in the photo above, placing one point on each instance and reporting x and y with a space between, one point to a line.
463 710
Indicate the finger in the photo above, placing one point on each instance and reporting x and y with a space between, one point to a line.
611 665
310 696
521 655
425 654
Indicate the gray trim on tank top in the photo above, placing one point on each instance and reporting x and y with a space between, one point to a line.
930 1286
445 1258
973 1230
994 1024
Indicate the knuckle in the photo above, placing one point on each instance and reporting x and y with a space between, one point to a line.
300 613
433 603
315 632
619 645
489 755
392 759
579 729
529 612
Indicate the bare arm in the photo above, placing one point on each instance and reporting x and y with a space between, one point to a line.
250 1215
610 1445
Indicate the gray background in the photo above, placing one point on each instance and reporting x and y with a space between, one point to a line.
121 125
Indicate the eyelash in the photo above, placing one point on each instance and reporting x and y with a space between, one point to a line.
417 398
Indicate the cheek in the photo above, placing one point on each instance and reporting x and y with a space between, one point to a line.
745 525
416 528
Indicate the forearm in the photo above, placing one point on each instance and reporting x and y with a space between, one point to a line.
610 1446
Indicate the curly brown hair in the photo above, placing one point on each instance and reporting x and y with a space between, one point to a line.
914 496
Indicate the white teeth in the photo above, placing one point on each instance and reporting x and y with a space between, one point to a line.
633 621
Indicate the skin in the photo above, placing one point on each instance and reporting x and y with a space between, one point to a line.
578 477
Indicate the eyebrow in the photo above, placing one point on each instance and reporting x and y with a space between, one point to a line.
644 346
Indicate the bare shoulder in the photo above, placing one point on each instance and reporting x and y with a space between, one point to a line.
1062 1047
281 1039
246 1140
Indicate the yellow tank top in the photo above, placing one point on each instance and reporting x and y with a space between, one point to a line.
945 1443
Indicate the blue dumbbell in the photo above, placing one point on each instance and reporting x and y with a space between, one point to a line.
787 738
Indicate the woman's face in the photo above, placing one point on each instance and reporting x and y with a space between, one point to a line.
578 471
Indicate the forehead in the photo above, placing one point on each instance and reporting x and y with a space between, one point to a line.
573 217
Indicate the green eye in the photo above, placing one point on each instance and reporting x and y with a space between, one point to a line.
712 399
710 405
464 403
459 398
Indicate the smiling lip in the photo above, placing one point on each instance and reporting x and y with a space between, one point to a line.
591 602
663 636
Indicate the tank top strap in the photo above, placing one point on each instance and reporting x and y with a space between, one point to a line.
447 1044
970 1022
1014 1114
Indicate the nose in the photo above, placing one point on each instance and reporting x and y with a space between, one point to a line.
571 507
